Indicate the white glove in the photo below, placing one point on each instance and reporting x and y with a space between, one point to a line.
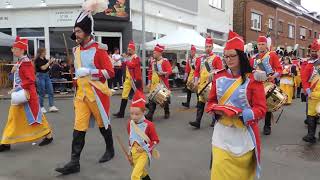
83 72
260 75
210 77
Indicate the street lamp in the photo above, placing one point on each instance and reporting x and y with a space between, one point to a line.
143 46
43 3
8 5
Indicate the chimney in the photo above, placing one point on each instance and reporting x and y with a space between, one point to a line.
297 1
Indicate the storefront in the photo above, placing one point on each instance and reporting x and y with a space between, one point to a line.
45 26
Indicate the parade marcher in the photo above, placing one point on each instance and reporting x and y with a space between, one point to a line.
189 73
287 78
205 67
239 102
133 80
267 61
25 121
92 102
297 78
142 138
310 82
159 72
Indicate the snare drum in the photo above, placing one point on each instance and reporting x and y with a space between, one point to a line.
160 95
205 93
275 97
191 86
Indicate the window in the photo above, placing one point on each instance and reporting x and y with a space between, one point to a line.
216 3
6 31
303 32
57 48
310 33
256 21
315 35
280 26
270 24
291 31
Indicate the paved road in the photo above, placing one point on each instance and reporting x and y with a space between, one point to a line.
185 152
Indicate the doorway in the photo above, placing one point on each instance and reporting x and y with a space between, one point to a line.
112 39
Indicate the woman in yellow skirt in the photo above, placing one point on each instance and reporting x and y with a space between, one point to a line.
238 101
25 121
287 78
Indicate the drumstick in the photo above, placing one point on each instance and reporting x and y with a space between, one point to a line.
124 150
279 116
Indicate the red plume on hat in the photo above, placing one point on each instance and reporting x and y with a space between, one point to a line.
159 48
21 43
262 39
209 40
193 48
315 45
132 45
138 100
234 42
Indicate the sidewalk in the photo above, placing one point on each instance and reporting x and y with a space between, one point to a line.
4 93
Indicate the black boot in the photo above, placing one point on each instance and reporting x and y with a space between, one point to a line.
123 106
303 97
46 141
152 108
147 177
77 145
166 111
298 91
267 124
200 110
187 104
5 147
107 135
312 126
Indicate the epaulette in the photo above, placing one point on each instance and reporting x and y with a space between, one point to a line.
25 59
75 48
102 46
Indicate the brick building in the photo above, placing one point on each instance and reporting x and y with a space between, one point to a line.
286 21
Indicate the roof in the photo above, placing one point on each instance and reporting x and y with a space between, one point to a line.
294 7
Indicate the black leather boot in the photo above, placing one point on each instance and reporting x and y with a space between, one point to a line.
107 135
122 110
152 108
267 124
200 110
77 145
312 126
187 104
147 177
166 111
298 91
5 147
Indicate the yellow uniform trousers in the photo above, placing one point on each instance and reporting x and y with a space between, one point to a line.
226 166
17 129
84 110
314 98
140 161
126 89
288 89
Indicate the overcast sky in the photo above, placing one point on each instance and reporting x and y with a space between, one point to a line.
311 5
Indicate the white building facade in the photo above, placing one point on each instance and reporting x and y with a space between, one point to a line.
44 21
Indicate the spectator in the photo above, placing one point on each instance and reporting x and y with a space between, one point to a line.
116 59
56 71
44 84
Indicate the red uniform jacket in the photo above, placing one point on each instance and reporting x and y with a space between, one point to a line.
253 103
188 66
28 82
134 68
101 70
150 131
216 64
165 67
306 75
274 62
